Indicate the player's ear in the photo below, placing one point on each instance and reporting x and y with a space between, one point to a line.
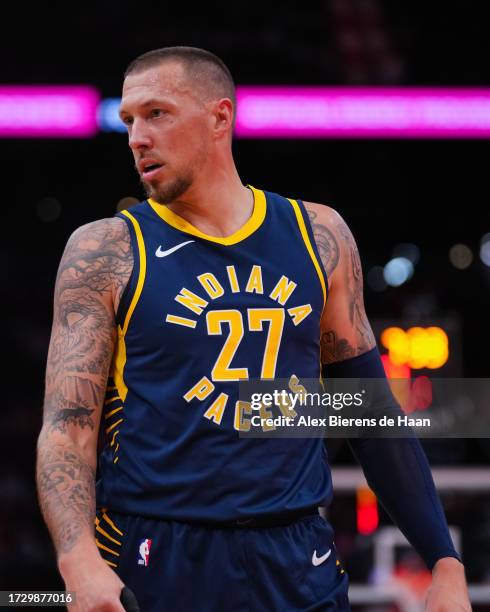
223 117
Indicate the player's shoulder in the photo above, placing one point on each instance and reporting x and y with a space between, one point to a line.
332 235
323 214
100 253
100 232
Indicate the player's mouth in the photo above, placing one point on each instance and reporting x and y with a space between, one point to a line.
149 168
151 171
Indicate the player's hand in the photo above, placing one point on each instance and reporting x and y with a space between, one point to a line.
448 592
96 587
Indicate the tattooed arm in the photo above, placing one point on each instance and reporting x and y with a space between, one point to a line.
346 332
93 272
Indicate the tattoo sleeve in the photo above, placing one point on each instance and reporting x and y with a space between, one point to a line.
326 243
93 272
346 331
355 286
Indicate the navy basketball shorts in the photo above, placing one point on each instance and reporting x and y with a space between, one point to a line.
181 567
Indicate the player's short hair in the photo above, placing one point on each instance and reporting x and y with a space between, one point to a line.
203 68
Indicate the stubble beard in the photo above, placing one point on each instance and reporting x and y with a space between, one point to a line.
165 194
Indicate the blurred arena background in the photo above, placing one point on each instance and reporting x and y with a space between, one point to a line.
418 207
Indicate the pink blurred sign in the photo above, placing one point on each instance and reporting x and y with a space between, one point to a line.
48 111
362 112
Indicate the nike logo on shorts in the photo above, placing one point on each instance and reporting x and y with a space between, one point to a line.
160 253
319 560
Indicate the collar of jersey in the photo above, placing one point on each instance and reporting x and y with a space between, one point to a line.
253 223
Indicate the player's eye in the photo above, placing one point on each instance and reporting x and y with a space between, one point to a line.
156 112
127 120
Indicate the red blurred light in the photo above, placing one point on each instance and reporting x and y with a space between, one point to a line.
395 371
367 511
422 393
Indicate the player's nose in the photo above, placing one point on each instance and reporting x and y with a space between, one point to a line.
139 136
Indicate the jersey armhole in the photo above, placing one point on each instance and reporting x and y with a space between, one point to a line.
312 240
301 209
130 289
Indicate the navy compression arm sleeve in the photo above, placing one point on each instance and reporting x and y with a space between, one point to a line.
398 472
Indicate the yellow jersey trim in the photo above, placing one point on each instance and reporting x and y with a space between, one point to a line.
103 547
142 272
253 223
104 533
120 355
113 399
309 248
109 414
109 521
109 429
119 363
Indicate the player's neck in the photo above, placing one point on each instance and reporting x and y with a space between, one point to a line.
218 205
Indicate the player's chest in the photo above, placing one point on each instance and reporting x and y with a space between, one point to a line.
207 296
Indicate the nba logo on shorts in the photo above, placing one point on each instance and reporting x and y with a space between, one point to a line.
144 552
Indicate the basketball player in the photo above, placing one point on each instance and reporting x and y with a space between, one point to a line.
158 313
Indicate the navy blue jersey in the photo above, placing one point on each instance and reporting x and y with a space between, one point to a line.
199 314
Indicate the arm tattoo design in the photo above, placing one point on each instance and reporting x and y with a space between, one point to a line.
334 348
97 262
326 243
93 273
72 416
332 243
66 487
357 314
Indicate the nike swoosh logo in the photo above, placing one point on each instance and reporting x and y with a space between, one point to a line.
319 560
160 253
